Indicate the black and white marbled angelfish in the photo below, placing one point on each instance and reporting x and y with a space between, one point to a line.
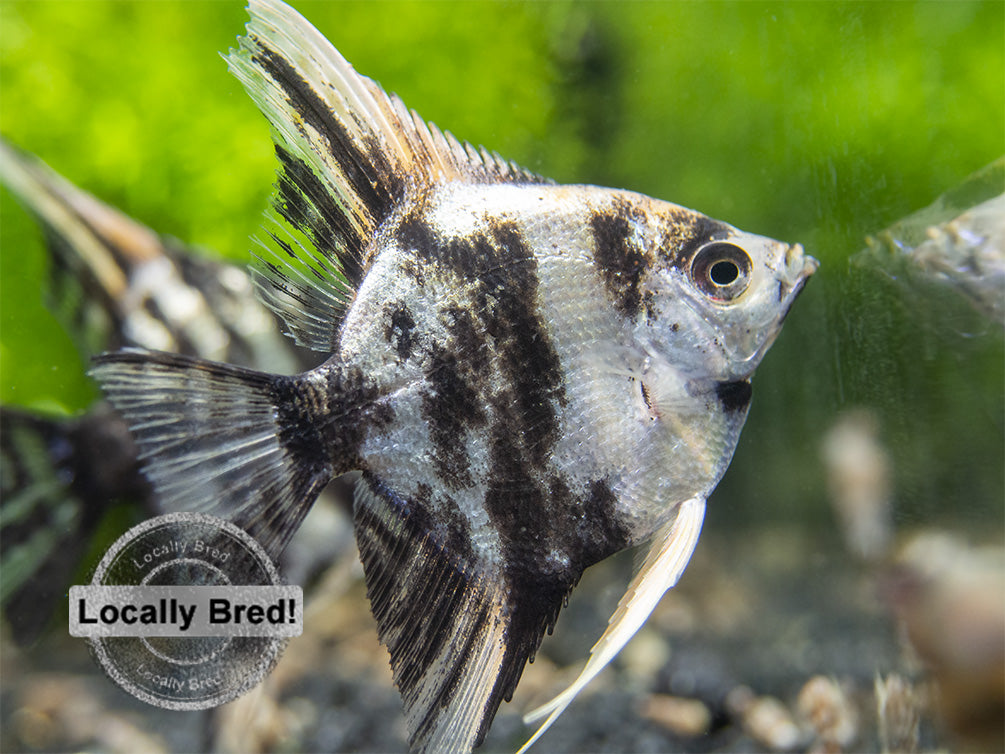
530 377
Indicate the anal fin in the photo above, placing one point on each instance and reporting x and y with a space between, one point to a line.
666 560
457 632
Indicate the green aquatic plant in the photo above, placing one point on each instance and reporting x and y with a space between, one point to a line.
817 123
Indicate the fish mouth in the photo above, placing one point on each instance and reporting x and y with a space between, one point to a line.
798 269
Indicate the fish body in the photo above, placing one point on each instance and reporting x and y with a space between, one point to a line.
968 252
507 343
530 377
59 478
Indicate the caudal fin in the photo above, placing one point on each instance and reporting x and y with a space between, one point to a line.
220 439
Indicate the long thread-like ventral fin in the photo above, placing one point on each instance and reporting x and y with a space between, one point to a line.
668 556
210 440
349 154
458 635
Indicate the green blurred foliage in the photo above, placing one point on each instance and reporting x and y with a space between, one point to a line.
817 122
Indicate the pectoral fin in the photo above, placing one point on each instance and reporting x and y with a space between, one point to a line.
668 556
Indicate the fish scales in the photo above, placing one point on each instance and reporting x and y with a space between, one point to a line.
489 384
531 377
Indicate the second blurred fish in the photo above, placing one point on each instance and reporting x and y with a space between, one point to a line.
957 242
113 282
117 283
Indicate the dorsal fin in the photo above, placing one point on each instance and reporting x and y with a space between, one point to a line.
349 154
92 247
115 282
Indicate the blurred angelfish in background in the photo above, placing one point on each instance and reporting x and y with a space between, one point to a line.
957 242
113 283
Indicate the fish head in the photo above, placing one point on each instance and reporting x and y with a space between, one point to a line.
716 296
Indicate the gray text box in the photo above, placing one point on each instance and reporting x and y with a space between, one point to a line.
186 611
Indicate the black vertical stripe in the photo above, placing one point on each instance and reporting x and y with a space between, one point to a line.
310 207
621 264
372 176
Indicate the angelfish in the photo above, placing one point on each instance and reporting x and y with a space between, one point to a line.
530 377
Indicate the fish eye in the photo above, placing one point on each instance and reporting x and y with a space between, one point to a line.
721 270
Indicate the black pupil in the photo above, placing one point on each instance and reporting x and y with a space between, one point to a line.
724 272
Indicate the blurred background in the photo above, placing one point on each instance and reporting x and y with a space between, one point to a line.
818 123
